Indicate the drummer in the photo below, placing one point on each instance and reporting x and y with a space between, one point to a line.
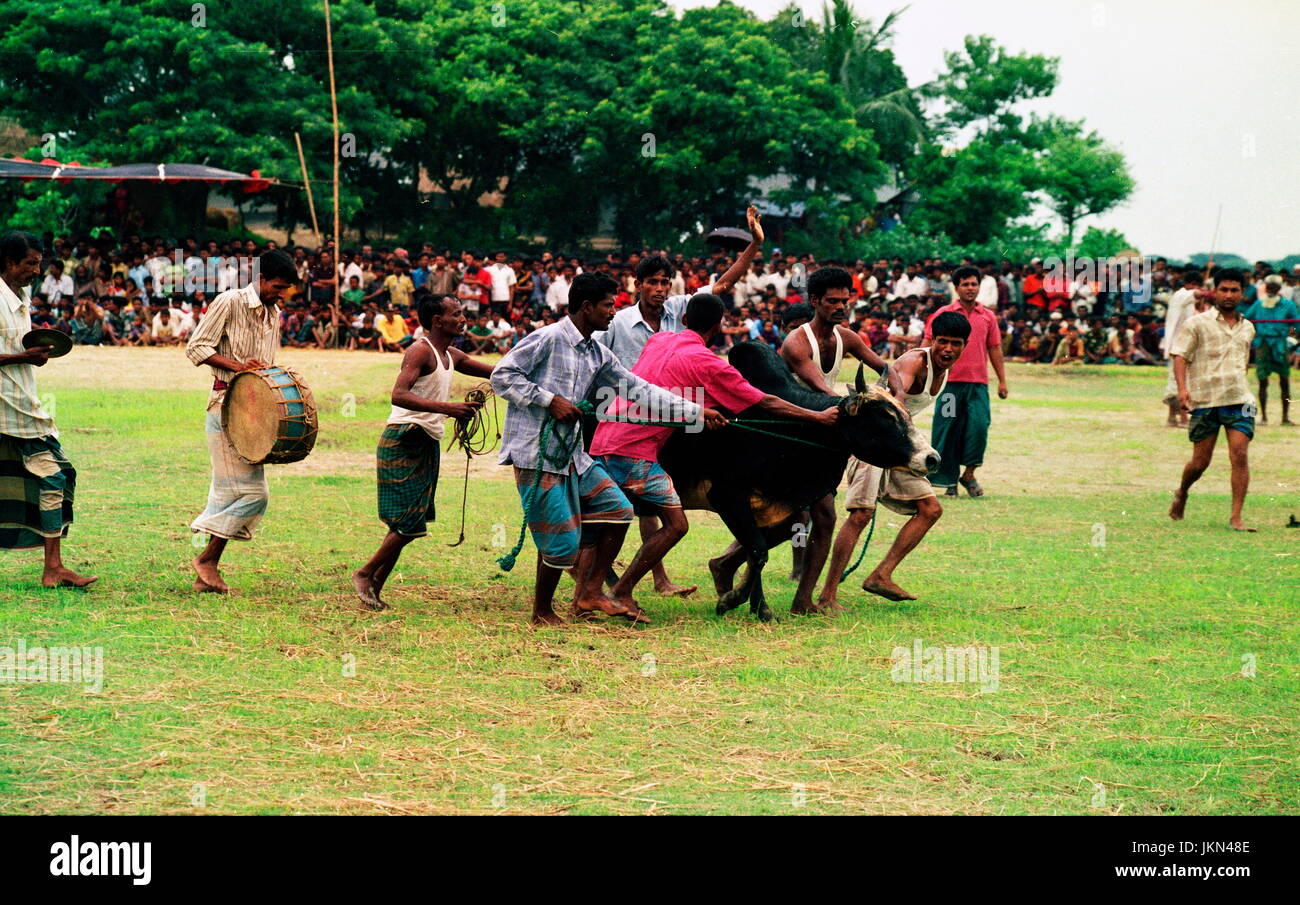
36 480
410 446
240 332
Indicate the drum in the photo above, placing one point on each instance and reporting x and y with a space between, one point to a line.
269 416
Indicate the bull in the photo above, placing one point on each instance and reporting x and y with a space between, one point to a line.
758 483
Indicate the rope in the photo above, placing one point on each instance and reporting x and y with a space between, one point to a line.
871 529
471 435
562 456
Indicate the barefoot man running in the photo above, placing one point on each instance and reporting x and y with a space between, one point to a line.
923 373
1211 353
36 480
410 446
240 332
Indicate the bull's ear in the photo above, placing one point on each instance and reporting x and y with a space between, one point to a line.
860 383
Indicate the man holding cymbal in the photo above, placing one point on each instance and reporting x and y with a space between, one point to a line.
37 481
240 332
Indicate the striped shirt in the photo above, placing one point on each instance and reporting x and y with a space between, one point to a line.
237 325
21 412
1216 356
557 361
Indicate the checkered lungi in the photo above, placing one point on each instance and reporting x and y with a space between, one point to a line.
37 485
407 464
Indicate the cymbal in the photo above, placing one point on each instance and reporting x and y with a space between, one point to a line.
58 342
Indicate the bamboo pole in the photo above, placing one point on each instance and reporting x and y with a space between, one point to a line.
311 204
1209 262
334 109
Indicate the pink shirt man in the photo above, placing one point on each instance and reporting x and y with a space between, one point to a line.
679 362
973 365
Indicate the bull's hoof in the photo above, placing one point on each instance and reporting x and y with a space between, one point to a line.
765 614
729 601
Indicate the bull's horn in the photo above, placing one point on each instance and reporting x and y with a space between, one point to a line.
860 382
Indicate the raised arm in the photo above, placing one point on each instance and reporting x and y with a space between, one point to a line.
727 281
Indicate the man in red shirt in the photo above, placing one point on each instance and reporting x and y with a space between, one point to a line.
681 363
961 413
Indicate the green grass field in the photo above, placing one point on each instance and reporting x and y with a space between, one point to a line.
1145 666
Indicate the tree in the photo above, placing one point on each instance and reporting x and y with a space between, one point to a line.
1080 175
983 84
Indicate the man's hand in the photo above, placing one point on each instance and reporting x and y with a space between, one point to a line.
714 419
1002 389
755 227
829 417
37 355
462 410
251 365
1185 402
563 411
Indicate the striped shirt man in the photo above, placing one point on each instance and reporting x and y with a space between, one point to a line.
1216 356
21 412
237 325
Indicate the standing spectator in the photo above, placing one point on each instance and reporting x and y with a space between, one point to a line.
1270 343
502 279
962 414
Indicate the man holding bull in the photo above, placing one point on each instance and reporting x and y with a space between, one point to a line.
815 353
629 452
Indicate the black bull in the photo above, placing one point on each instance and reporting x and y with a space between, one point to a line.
757 483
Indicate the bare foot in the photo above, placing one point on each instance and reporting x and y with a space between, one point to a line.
829 605
547 616
1171 422
1179 504
668 589
209 576
366 592
601 603
885 587
66 578
808 609
1237 525
202 587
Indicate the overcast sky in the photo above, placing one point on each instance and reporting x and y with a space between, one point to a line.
1200 95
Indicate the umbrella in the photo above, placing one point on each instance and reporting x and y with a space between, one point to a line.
730 238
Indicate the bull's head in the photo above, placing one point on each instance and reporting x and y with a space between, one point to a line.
879 431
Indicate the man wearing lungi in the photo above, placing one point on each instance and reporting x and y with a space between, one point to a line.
37 482
240 332
577 506
410 446
960 431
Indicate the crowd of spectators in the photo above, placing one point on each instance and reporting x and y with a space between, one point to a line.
150 292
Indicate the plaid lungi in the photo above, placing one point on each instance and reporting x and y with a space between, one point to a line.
407 465
37 484
238 494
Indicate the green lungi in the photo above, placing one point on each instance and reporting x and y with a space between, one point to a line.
961 429
407 464
37 485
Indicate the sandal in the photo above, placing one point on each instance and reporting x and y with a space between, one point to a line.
951 491
972 487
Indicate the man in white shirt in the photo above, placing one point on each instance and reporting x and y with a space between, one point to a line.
503 282
349 268
57 284
557 296
988 296
1182 305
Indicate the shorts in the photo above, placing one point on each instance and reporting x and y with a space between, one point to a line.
1207 421
567 502
407 464
896 489
645 482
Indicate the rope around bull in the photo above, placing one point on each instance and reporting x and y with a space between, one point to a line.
564 453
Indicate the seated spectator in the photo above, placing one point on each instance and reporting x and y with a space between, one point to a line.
1070 348
394 335
480 336
1094 342
164 331
365 336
